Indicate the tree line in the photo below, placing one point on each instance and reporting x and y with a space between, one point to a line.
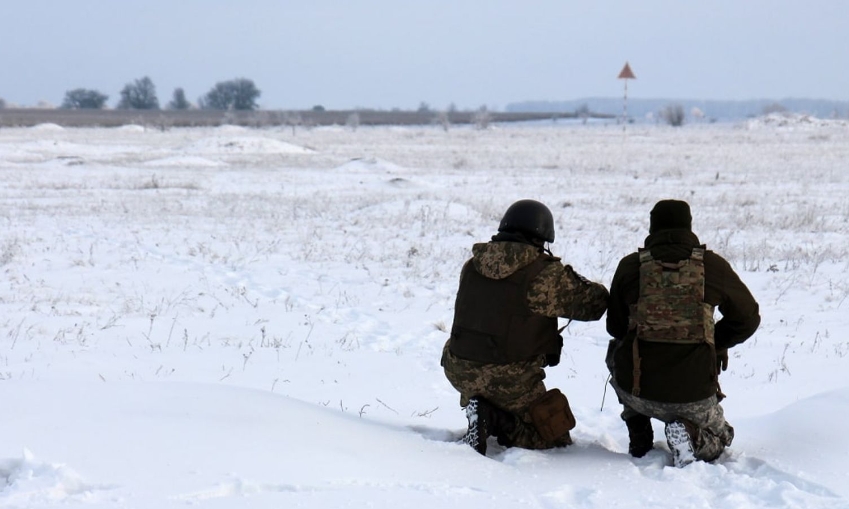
140 94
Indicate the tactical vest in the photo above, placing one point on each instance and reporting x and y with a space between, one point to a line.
671 306
493 323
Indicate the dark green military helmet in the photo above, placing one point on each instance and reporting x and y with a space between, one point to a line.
529 217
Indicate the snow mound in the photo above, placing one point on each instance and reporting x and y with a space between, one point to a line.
229 128
27 482
795 435
791 120
246 145
184 162
53 147
47 127
132 128
331 129
369 165
283 452
401 183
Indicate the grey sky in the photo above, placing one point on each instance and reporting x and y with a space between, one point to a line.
398 53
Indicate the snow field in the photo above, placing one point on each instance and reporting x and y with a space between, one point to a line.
230 317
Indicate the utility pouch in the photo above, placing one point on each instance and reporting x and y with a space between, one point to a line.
552 416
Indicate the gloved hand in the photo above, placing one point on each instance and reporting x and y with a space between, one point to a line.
721 360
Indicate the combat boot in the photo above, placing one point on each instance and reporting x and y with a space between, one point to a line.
505 427
487 420
479 421
679 437
640 435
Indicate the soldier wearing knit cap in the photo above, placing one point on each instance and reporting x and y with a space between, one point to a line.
667 352
670 215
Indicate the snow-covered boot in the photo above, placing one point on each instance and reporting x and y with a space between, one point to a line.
476 413
679 437
640 435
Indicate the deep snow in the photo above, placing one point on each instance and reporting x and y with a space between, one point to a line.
250 318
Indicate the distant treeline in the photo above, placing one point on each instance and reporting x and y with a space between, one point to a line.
164 119
641 109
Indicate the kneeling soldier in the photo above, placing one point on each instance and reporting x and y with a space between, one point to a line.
505 332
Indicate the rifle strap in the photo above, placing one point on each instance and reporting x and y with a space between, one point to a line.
635 389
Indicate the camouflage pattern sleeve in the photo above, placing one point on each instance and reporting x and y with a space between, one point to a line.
560 291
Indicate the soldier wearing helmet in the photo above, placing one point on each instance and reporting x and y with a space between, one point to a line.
511 293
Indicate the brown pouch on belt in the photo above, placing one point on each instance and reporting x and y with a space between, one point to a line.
552 416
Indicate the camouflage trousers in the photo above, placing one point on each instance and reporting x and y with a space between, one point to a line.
714 432
512 387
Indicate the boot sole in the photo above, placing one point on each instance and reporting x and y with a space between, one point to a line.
473 437
680 444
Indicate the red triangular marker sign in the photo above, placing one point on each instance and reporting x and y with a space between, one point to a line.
627 73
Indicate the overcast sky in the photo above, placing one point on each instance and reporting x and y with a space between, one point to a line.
398 53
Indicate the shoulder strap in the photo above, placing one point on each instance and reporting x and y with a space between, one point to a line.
698 253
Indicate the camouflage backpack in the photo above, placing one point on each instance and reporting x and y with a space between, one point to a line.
671 307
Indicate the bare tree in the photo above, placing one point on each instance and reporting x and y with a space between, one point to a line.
482 118
83 98
237 94
139 95
583 112
179 101
673 114
443 119
774 108
353 121
292 119
163 122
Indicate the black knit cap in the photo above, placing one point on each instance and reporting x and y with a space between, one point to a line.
670 214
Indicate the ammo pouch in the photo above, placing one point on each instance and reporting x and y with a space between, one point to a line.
552 416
